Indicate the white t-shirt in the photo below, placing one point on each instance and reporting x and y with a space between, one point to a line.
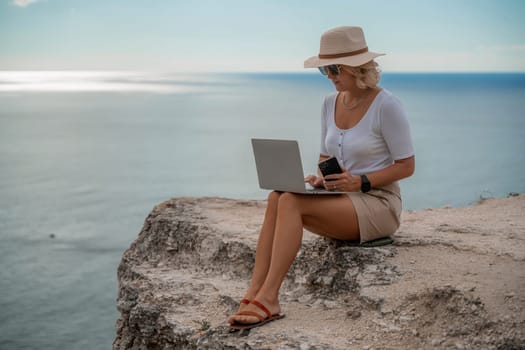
380 137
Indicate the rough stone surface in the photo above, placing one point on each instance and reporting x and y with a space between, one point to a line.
453 279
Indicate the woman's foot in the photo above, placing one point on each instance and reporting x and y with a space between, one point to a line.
248 297
243 305
260 306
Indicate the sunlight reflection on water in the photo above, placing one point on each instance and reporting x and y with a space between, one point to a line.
93 81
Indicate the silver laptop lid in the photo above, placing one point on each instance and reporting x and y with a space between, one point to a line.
279 165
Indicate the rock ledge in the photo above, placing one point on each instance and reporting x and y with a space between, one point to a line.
453 279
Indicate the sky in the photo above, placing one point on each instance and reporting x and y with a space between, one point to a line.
259 35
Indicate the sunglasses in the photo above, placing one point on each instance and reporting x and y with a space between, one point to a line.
333 68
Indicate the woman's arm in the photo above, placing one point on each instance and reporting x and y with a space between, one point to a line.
347 182
401 169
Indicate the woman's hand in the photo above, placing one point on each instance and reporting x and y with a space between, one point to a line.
314 181
344 182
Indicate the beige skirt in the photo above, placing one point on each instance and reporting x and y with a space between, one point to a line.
378 211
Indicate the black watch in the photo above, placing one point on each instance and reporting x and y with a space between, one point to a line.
365 184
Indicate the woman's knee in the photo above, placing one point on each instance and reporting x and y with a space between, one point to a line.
288 201
273 199
274 196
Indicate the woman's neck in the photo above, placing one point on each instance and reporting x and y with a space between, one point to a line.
352 101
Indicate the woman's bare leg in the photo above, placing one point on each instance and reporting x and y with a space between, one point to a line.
263 251
332 216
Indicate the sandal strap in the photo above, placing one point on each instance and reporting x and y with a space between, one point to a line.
251 313
263 308
245 301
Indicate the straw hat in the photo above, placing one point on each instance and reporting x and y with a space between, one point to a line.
342 45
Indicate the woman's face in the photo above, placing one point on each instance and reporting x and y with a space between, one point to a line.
342 81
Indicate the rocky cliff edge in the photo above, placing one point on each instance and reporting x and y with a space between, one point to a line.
453 279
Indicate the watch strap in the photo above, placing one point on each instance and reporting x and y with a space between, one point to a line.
365 184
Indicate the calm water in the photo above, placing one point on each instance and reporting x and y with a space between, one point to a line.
85 156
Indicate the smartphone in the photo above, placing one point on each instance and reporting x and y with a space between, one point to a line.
330 166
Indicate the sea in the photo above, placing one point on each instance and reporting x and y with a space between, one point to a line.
85 156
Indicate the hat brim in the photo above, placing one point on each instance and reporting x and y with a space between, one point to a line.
352 61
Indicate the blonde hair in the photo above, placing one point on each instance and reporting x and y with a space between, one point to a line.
367 75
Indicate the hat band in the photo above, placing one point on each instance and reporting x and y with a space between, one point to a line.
344 54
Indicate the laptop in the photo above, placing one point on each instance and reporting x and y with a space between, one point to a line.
279 167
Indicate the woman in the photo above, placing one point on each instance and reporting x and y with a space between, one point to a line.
366 129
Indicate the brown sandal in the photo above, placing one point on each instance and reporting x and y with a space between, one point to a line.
262 320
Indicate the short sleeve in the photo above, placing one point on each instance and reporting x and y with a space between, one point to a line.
396 129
